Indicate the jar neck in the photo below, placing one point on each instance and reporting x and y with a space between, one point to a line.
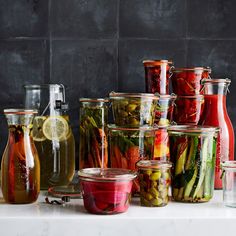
19 119
215 88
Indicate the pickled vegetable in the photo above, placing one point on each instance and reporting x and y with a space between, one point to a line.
193 155
133 110
128 146
188 109
154 184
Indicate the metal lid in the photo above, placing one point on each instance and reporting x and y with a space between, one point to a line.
94 100
192 129
141 128
156 62
20 111
133 95
216 81
207 69
109 174
153 164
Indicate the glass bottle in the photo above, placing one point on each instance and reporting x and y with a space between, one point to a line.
157 75
93 150
20 163
52 134
215 114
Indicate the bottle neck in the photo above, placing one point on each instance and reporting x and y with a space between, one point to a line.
19 119
215 88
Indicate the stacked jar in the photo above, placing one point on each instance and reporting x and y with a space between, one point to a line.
132 136
186 84
157 77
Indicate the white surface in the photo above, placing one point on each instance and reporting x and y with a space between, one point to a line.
211 218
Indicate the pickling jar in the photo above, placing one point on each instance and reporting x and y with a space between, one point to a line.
157 76
93 148
215 114
52 133
20 168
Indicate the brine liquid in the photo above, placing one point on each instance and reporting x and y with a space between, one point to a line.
20 168
57 160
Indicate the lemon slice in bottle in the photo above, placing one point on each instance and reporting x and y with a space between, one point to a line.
55 128
37 131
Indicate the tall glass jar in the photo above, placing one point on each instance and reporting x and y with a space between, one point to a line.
20 164
215 114
157 75
93 150
52 134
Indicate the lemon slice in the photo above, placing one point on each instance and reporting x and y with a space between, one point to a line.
37 131
55 128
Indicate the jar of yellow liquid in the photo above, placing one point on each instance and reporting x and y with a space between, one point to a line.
52 134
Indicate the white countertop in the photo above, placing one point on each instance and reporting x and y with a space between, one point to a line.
41 219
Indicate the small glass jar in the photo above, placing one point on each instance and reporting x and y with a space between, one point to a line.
133 109
229 183
187 109
129 145
161 144
187 81
164 109
93 148
106 191
155 179
193 154
157 75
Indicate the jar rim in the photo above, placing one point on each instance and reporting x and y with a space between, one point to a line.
94 100
157 62
193 129
107 174
19 111
182 69
199 96
132 95
153 164
140 128
216 81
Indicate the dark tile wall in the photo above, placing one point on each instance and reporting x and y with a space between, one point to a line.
95 46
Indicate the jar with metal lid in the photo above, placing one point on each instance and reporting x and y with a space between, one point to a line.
157 75
106 191
229 183
193 154
155 179
93 148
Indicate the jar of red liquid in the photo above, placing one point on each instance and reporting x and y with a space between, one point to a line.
188 109
157 75
187 81
215 114
161 145
106 191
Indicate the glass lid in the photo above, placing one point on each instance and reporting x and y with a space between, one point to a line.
154 164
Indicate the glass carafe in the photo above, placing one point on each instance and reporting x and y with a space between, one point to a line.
215 114
20 163
52 134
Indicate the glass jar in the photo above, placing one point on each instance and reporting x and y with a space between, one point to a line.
157 75
187 109
133 109
187 81
164 109
93 151
215 114
229 183
161 144
106 191
20 163
129 145
193 153
52 134
155 179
